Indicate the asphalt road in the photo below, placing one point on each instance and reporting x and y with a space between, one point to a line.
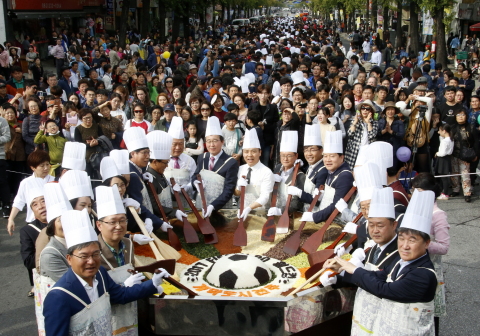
17 316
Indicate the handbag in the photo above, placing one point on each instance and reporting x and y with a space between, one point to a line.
467 154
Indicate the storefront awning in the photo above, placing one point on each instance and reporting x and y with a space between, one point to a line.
48 15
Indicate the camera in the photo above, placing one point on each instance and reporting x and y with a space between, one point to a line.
422 109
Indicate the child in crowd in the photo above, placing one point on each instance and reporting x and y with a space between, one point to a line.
193 142
443 165
233 108
50 134
233 137
252 120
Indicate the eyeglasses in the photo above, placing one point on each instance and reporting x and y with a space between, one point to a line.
205 109
366 108
169 82
94 256
87 118
164 162
214 141
138 111
310 150
289 156
144 152
121 222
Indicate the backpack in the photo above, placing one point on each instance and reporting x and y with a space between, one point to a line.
103 149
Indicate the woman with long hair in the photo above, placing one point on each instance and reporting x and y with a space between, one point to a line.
195 103
239 99
201 120
168 89
391 129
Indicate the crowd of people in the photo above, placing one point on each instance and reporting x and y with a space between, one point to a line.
239 109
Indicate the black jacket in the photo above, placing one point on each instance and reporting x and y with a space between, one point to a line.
271 116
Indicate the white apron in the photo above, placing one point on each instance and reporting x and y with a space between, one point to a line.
124 316
329 193
440 303
94 319
366 306
165 198
405 319
282 196
214 185
252 193
182 177
42 285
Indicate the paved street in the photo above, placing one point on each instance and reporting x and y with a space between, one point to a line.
462 268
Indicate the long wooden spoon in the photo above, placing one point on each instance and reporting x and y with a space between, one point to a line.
268 230
188 231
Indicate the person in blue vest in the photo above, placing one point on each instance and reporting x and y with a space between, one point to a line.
339 180
80 302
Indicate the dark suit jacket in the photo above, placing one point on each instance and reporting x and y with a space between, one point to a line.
415 283
229 172
341 185
318 176
272 116
295 204
28 237
59 306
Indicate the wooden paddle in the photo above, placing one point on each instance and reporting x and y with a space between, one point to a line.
172 236
292 244
208 236
191 294
188 231
268 230
314 241
240 235
318 258
141 225
284 221
204 202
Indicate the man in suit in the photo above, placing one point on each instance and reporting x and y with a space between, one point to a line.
81 299
407 284
216 161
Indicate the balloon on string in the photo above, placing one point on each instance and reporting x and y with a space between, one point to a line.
404 154
166 55
304 18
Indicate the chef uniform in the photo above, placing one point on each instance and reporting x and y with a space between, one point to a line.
182 167
51 254
120 156
289 144
259 177
76 184
117 263
29 233
160 144
135 140
72 307
316 174
405 289
219 173
377 258
338 182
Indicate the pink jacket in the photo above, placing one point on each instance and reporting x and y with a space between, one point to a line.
439 231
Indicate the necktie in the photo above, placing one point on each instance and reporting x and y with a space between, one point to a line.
212 163
176 165
249 174
376 255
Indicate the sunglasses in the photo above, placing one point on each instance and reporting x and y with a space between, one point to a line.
138 111
169 82
205 109
366 108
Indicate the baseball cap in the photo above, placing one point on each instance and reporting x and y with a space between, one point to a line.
169 107
421 80
193 66
203 79
217 81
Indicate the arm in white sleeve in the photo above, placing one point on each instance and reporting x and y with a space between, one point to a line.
266 187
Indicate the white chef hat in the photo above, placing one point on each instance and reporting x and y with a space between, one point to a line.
244 84
34 188
362 156
213 127
269 60
419 211
312 136
108 168
289 142
56 200
286 60
381 153
297 77
251 139
176 128
382 203
77 227
333 143
135 138
109 201
120 156
367 178
160 144
76 183
74 156
250 77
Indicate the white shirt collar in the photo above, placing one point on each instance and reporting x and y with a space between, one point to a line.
384 246
258 165
92 291
217 156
